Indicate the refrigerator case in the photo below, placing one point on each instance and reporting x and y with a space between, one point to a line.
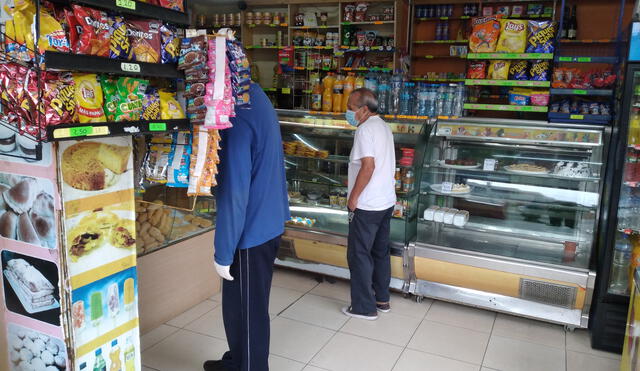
507 217
621 228
317 148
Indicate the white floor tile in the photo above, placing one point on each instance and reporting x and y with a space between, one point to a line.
585 362
461 316
580 341
294 280
412 360
317 310
282 298
284 364
296 340
184 351
450 341
389 327
193 314
352 353
217 296
340 290
145 368
408 306
211 324
517 355
487 369
156 335
313 368
529 330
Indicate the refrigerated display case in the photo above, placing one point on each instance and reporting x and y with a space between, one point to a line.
508 211
317 148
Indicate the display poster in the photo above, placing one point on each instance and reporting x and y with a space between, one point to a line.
32 287
100 251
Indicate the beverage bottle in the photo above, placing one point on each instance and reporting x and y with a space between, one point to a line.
349 85
394 94
316 98
383 94
572 29
359 82
458 101
445 30
565 23
431 100
99 364
439 31
371 82
634 127
338 88
130 356
327 94
619 281
114 356
441 96
406 99
423 99
630 165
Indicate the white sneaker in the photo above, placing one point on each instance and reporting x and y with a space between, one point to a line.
369 317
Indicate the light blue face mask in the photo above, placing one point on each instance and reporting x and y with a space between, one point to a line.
351 118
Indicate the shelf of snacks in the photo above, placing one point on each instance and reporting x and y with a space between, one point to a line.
535 56
168 11
110 129
367 23
92 63
589 41
440 57
505 107
574 118
380 48
586 92
322 27
520 83
441 42
315 47
586 59
272 25
366 69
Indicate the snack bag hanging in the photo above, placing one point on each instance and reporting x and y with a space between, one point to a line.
89 98
484 35
513 36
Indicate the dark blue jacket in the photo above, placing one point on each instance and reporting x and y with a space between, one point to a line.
251 196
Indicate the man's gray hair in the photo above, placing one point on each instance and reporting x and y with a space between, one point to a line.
366 97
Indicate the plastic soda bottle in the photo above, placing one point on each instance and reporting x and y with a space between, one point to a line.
316 98
99 364
349 85
327 94
359 82
634 127
635 259
114 356
130 356
338 88
619 283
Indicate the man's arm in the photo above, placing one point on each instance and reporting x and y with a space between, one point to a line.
362 180
232 191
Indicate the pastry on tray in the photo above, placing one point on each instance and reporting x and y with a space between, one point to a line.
460 188
529 168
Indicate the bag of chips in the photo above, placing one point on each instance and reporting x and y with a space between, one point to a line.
144 37
172 4
73 27
170 49
477 70
151 105
52 35
89 98
541 34
513 36
62 103
94 39
519 71
169 107
179 163
111 96
499 70
484 35
119 45
132 92
539 70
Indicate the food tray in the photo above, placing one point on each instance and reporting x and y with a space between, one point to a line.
438 188
508 169
461 167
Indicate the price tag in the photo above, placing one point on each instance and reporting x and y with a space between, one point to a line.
447 187
489 164
127 4
579 92
584 59
346 23
565 59
377 22
576 117
80 131
157 126
286 90
130 67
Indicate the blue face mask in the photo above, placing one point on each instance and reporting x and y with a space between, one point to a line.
351 118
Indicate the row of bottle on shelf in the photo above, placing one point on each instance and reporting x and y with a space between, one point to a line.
626 258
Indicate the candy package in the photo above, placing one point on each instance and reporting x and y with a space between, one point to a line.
519 70
93 31
172 4
111 96
513 36
541 34
539 98
144 36
89 98
539 70
477 70
169 107
120 44
499 70
170 49
193 52
484 35
132 93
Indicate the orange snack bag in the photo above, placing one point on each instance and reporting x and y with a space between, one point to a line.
484 36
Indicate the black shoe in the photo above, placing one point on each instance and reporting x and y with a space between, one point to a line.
215 366
384 308
369 317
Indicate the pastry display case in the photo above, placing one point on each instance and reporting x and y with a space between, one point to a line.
317 148
509 210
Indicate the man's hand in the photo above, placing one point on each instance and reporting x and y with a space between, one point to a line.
353 204
223 271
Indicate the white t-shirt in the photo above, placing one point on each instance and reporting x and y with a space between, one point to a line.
374 139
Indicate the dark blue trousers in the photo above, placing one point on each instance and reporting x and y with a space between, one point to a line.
368 255
245 307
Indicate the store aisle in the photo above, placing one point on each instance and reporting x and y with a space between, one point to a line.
309 333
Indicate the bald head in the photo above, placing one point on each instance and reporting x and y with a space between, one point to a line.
363 97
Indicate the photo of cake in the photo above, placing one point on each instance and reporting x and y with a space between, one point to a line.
97 229
32 288
94 166
27 211
32 350
526 169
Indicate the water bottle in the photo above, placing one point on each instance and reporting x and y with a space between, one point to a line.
458 101
423 100
371 82
383 94
619 282
394 94
440 98
406 99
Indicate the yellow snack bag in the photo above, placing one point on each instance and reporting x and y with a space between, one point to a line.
89 98
169 107
52 35
513 36
499 70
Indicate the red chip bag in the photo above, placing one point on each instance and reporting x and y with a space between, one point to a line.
477 70
172 4
73 29
145 40
96 26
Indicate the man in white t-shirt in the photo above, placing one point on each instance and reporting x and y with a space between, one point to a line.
372 197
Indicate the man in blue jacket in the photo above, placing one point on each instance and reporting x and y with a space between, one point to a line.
252 207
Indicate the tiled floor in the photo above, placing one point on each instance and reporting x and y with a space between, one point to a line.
309 333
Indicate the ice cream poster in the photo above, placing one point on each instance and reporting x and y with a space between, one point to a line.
27 210
30 349
104 309
119 353
31 287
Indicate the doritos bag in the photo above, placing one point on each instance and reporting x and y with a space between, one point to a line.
96 28
144 37
484 36
513 36
88 98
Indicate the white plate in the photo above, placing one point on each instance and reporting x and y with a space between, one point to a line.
509 170
443 164
438 188
26 304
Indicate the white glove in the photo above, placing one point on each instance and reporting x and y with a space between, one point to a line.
223 271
